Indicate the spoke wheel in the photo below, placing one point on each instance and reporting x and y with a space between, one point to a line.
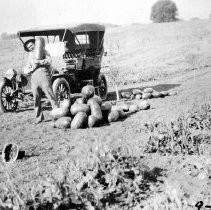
8 102
61 89
103 89
10 152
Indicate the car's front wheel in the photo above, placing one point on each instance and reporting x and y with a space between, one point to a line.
61 89
8 101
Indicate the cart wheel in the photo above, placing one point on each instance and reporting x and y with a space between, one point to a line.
8 101
10 153
103 89
61 89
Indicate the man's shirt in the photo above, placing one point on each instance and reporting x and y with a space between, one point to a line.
33 64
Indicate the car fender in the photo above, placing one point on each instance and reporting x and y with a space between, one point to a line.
6 81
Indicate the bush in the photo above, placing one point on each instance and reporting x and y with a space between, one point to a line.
6 36
164 11
188 134
113 180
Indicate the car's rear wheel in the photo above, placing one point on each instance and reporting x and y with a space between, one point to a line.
61 89
8 102
103 88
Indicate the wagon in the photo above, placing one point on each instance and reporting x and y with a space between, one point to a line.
77 53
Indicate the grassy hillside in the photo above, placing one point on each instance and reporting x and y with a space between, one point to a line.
151 51
144 52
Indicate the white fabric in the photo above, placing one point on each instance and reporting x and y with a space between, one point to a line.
56 49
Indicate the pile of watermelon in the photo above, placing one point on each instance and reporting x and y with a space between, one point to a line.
90 111
147 93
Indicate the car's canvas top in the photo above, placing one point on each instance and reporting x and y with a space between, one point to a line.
40 31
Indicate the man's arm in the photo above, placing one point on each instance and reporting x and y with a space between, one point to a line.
47 61
29 68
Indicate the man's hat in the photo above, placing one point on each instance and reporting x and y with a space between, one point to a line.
26 43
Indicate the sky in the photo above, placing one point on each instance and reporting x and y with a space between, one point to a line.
23 14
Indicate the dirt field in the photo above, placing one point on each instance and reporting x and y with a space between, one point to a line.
173 56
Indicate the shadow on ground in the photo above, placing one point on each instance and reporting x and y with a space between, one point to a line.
162 87
111 95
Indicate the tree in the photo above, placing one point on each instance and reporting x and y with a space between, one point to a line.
6 36
164 11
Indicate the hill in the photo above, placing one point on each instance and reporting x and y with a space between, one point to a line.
148 52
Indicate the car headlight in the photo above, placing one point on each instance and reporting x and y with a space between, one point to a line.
11 73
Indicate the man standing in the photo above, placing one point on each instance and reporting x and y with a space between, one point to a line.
40 79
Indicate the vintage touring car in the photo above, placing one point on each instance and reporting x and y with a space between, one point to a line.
76 52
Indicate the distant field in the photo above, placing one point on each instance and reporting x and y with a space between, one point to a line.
144 52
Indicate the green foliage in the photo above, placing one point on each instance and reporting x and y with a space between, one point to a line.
164 11
187 135
113 180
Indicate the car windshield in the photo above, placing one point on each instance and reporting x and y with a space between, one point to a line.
55 49
53 45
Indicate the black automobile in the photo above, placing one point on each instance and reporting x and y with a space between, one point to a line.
76 52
